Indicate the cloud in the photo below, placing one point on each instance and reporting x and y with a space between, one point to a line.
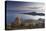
32 6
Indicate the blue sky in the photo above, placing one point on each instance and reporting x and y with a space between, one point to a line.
15 5
14 8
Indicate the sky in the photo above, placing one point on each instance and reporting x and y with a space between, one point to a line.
15 7
29 6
